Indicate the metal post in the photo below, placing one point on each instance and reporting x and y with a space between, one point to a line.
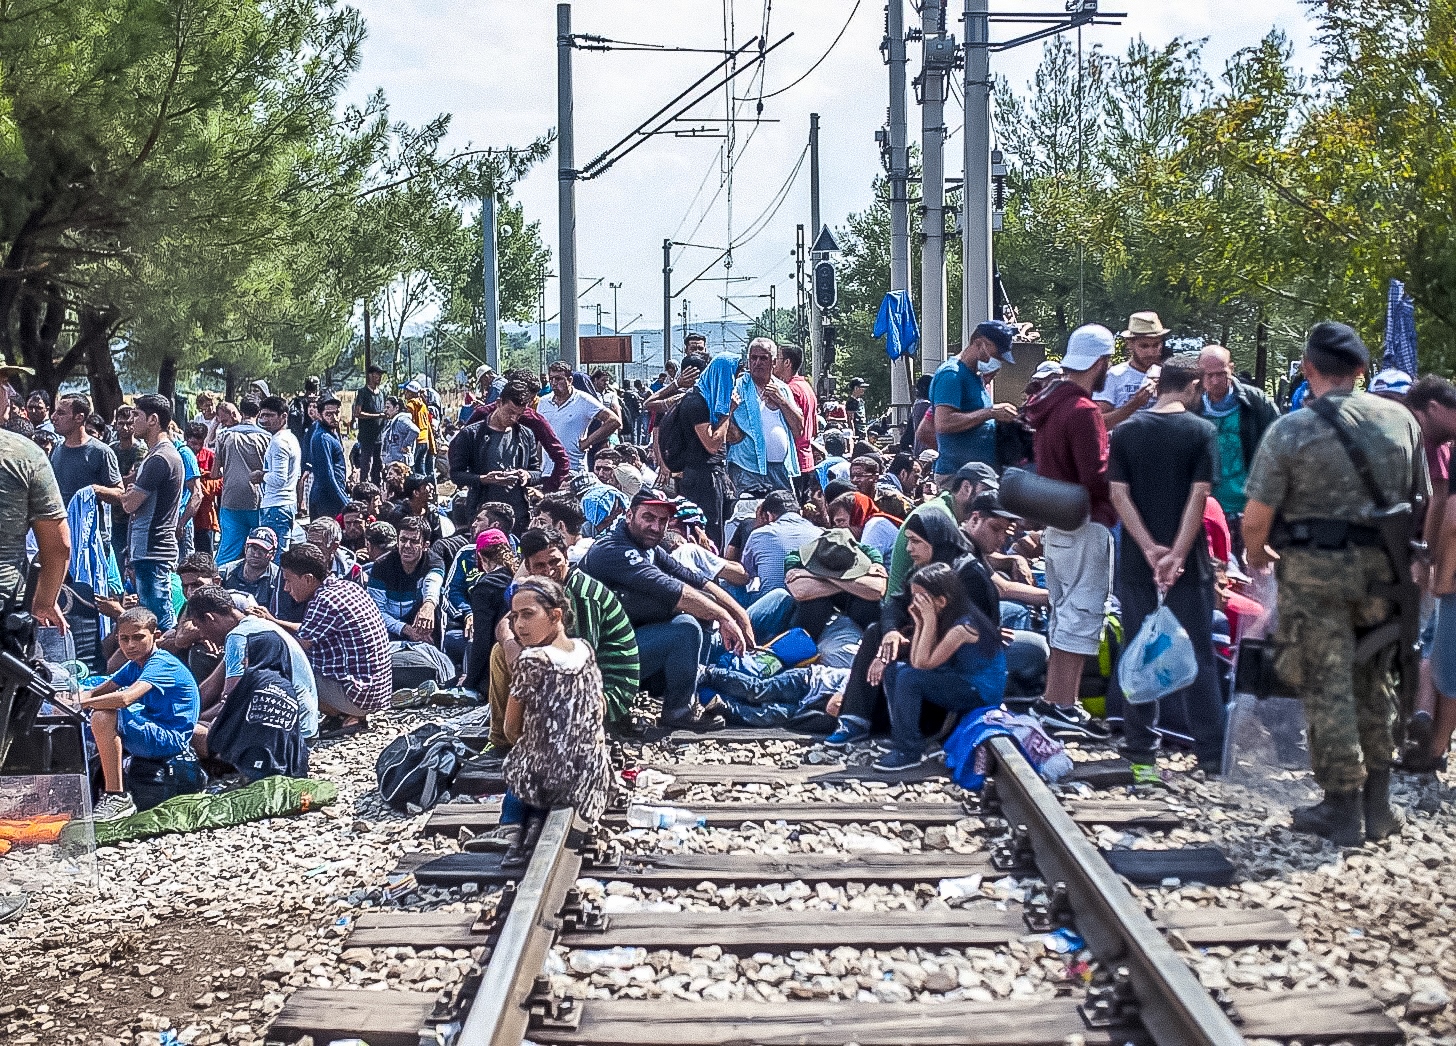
490 275
899 184
801 307
773 311
816 341
666 302
368 359
932 186
566 187
616 329
976 195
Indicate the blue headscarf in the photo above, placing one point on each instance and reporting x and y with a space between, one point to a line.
716 384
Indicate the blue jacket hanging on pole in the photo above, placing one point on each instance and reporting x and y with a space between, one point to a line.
896 324
1400 331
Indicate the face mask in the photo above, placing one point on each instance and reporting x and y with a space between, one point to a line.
988 368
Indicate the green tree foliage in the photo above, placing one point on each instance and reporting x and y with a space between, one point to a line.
188 180
1257 196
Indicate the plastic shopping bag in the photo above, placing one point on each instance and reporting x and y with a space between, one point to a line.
1159 660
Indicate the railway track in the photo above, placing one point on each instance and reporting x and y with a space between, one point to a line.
851 947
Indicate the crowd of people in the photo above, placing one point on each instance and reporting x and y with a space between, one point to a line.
257 576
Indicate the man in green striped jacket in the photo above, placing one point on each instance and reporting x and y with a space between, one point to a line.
597 618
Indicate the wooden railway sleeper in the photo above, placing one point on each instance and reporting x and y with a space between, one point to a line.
1052 912
1111 1001
1013 853
546 1013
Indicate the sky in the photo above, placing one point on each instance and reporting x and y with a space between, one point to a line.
491 64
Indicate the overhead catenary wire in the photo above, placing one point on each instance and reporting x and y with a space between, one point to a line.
842 30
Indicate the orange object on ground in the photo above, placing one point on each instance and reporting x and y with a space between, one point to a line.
31 831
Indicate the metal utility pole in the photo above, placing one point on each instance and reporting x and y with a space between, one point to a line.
899 170
801 303
490 276
816 353
566 188
773 311
938 59
976 302
368 359
615 288
666 302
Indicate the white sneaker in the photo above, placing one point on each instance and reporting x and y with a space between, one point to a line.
114 806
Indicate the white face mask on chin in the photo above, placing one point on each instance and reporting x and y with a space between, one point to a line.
986 368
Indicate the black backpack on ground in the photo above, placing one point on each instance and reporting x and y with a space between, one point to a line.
417 770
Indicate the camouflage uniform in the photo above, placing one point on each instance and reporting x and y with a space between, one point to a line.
1303 473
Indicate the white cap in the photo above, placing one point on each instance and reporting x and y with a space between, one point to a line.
1393 381
483 370
1087 345
413 386
1049 369
261 384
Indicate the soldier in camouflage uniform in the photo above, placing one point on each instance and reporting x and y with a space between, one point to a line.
1308 499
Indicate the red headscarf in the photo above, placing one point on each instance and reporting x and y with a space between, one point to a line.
865 510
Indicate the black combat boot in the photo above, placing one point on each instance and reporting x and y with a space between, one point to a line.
1339 817
1381 819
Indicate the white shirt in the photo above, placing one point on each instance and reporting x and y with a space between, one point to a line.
1123 381
694 556
281 467
778 440
576 551
569 421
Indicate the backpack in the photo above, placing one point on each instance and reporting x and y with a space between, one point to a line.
414 663
673 434
417 770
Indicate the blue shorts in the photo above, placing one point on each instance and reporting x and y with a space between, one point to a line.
142 737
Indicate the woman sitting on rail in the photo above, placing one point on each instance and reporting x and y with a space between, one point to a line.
956 662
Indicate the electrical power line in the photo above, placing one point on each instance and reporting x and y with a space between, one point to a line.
844 28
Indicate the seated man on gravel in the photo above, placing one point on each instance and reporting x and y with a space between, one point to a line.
345 639
669 605
215 614
147 709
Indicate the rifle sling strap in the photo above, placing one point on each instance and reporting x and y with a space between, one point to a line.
1330 413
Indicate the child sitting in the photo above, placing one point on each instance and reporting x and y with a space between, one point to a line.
554 721
956 662
147 709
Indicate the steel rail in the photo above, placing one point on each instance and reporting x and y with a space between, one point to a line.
1173 1007
498 1015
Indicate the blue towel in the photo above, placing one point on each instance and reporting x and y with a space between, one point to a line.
896 324
90 561
716 384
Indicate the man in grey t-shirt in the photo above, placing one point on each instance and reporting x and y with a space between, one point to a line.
240 452
154 501
81 461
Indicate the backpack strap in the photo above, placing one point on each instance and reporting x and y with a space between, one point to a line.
1330 414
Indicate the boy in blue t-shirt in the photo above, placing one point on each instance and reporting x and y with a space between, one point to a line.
148 708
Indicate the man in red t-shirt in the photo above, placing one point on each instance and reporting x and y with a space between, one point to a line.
786 369
1072 446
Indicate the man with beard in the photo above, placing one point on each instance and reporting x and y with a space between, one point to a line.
499 458
326 459
1071 446
1132 385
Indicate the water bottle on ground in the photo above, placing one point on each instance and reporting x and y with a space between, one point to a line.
644 816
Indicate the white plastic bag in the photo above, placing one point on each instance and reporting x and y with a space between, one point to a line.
1159 660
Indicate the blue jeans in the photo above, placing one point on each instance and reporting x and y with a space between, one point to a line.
154 589
513 811
756 483
754 701
770 613
672 647
235 523
424 461
907 689
280 521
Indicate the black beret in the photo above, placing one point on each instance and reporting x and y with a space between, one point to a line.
1339 341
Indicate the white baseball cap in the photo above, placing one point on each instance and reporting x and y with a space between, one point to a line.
1397 382
1049 369
1087 345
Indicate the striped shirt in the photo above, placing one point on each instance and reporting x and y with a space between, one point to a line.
600 620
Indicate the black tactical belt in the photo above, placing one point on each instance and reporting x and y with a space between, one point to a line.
1327 534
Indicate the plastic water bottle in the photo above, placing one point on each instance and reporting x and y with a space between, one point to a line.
644 816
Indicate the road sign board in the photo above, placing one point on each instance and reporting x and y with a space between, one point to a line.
825 243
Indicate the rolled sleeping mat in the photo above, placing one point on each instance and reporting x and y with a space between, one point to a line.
1054 502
